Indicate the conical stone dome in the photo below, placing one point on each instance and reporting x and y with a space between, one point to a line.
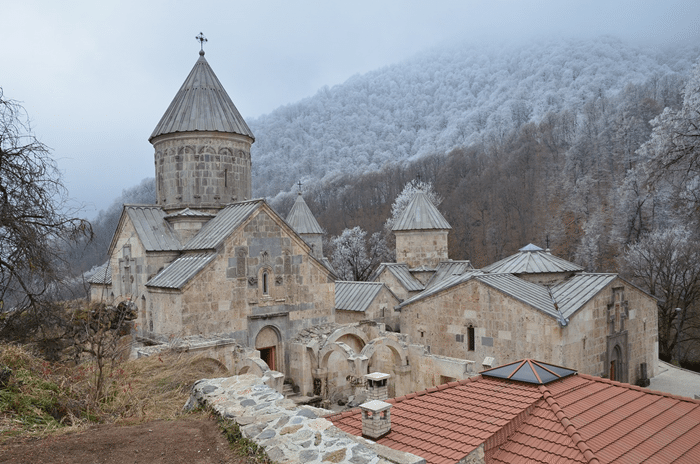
202 104
302 220
202 146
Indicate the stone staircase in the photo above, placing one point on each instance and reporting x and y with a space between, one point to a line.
288 391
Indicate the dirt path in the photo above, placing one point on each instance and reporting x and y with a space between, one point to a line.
191 440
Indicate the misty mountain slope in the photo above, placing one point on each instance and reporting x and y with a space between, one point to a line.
442 99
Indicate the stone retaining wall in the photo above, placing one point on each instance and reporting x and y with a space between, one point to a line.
289 434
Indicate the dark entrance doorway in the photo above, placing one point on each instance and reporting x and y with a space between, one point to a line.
267 354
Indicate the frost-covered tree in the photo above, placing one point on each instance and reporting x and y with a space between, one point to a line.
404 198
667 265
354 257
673 151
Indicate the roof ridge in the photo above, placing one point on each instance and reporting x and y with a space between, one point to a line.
638 388
363 282
455 383
503 434
569 427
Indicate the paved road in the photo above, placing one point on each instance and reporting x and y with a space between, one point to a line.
674 380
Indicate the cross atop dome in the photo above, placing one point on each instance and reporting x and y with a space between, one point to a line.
201 40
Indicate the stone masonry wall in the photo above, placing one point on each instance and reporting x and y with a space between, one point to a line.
504 328
507 329
421 248
585 343
230 297
287 433
208 170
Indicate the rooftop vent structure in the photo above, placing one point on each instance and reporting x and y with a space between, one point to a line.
377 386
376 419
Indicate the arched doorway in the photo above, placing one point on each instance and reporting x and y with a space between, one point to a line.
615 364
268 343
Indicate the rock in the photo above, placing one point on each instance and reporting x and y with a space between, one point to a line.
245 420
308 455
335 456
290 429
269 433
307 413
209 389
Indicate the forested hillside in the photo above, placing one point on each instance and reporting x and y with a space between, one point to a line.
448 98
525 142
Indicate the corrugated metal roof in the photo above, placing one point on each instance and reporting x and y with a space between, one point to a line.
421 214
532 260
449 268
301 219
202 104
530 293
180 271
356 296
402 274
153 230
575 292
216 230
102 276
444 284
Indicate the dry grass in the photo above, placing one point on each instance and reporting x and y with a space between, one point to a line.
44 397
157 387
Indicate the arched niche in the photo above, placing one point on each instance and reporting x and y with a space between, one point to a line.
267 341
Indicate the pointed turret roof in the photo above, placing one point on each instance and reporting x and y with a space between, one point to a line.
301 219
202 104
421 214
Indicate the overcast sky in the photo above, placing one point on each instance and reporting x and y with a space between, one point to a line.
96 76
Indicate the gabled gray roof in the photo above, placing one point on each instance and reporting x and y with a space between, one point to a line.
575 292
449 268
301 219
190 213
532 260
569 295
402 274
180 271
102 276
202 104
530 293
356 296
444 284
215 231
153 230
421 214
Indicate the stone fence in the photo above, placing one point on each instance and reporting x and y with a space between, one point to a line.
289 434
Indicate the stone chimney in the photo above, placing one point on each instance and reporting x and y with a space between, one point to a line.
376 419
377 386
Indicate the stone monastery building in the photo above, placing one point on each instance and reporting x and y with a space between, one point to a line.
207 260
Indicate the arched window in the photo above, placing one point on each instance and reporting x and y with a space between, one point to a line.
470 338
265 283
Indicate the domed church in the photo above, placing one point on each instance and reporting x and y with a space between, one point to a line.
207 258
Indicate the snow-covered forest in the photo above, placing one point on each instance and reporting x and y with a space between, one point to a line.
448 98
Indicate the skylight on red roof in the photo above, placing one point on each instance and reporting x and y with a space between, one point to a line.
529 371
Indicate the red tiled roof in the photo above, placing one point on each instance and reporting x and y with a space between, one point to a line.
578 419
